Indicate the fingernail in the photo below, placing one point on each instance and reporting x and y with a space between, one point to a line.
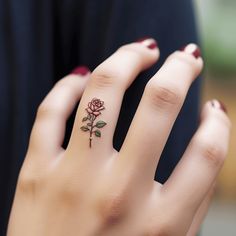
192 49
219 105
223 107
80 70
148 42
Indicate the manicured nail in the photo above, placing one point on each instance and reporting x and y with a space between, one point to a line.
223 107
148 42
219 105
192 49
80 70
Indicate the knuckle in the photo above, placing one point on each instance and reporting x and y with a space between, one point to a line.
162 96
48 108
49 104
212 152
28 182
67 194
111 209
65 188
44 110
103 78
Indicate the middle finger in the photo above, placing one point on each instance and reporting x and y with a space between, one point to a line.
162 100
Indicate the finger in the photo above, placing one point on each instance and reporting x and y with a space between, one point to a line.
157 112
108 84
49 127
201 213
203 159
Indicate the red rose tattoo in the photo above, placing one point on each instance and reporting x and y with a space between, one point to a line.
95 107
94 110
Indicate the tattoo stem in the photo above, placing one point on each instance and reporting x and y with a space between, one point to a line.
93 111
91 133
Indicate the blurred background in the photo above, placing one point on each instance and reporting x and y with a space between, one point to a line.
216 20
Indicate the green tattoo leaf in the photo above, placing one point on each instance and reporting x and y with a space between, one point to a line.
97 133
84 128
100 124
85 118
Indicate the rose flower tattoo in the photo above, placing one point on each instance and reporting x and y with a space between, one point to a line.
94 110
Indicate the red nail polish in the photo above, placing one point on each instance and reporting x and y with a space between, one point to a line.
197 53
223 107
151 43
80 70
192 49
219 105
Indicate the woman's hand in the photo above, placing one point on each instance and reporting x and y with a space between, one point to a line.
90 188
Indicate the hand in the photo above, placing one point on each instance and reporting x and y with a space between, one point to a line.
90 188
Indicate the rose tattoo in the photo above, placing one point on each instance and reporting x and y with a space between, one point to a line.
94 110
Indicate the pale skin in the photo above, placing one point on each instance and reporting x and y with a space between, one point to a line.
87 191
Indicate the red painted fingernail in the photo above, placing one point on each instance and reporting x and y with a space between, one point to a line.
192 49
223 107
80 70
219 105
148 42
152 45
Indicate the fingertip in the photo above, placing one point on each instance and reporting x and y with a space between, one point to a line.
194 53
149 43
145 50
185 61
219 105
216 109
192 49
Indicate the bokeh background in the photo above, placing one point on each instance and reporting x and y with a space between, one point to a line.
217 27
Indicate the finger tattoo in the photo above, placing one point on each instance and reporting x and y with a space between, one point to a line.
93 111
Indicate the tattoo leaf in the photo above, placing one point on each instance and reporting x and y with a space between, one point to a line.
97 133
84 128
89 124
100 124
85 118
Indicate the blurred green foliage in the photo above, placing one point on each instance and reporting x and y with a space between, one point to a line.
217 21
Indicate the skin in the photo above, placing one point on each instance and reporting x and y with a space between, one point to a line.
99 191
